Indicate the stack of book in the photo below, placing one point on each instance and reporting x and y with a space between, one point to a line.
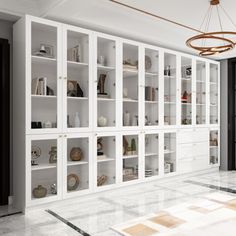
39 86
148 173
149 93
130 67
73 54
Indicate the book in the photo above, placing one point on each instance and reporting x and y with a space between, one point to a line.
42 86
34 86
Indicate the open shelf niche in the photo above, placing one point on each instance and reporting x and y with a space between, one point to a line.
77 80
213 94
77 164
169 89
151 155
106 87
186 91
130 85
151 87
106 160
169 153
44 83
43 168
130 157
214 144
201 93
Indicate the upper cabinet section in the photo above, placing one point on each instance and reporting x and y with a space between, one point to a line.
81 81
43 68
77 92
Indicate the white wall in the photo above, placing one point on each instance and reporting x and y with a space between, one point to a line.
6 32
224 115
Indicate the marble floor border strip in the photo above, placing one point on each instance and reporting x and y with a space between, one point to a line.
10 214
74 227
228 190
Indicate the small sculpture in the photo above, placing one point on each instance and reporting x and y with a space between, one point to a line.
99 147
35 154
133 146
54 189
102 121
101 86
76 154
101 180
53 155
39 192
125 146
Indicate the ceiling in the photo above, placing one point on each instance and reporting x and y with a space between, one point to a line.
105 16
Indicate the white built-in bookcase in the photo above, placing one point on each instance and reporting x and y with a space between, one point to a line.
165 111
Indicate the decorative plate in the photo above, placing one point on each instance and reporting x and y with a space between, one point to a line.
72 182
148 63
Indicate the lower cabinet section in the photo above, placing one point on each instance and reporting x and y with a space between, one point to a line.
67 165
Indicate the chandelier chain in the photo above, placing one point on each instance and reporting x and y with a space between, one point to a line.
227 15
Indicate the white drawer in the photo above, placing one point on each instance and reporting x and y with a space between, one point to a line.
185 150
200 149
192 164
193 136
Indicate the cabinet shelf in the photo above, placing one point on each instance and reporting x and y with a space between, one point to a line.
186 79
151 102
169 77
105 68
129 100
151 154
168 152
151 74
169 103
43 167
186 104
129 73
75 163
75 64
106 99
130 156
107 159
43 60
43 96
77 98
200 81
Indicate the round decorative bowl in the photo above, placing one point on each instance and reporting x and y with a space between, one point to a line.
39 192
76 154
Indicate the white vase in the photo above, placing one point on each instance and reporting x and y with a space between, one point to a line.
77 119
102 121
126 119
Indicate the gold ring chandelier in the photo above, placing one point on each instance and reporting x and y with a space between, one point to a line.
206 43
220 43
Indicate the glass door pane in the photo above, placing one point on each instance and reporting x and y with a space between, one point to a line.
169 152
201 93
214 147
130 157
44 168
77 80
169 89
106 87
151 155
186 91
44 83
106 160
151 87
130 85
213 94
77 164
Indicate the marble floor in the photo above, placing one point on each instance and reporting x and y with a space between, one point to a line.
94 215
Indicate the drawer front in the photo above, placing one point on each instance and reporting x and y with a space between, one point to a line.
200 149
192 164
185 151
193 136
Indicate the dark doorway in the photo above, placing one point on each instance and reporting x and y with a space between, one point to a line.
5 121
231 114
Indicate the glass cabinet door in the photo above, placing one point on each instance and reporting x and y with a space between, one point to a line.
214 143
45 159
169 153
106 160
130 85
77 90
169 89
213 94
186 91
106 82
77 164
151 87
151 155
201 93
130 157
44 76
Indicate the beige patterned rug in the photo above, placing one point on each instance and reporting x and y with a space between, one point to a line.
213 215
